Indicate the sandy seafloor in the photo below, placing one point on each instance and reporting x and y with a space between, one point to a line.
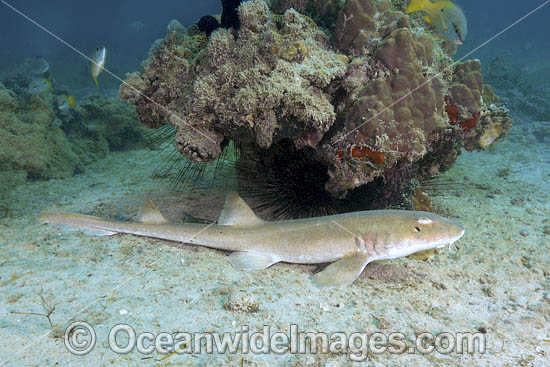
496 279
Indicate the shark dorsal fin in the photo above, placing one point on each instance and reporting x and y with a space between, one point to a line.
236 213
149 213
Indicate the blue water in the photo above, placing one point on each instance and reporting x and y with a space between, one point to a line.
527 41
86 24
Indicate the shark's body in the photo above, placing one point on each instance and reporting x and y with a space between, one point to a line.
350 240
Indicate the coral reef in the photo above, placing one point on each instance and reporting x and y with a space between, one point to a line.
208 24
30 146
370 100
409 117
467 86
272 83
324 12
160 93
230 17
100 125
356 24
38 141
280 6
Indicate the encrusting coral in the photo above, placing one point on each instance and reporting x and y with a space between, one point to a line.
30 145
371 93
265 85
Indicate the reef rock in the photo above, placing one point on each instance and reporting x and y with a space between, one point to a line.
366 92
29 144
263 85
39 141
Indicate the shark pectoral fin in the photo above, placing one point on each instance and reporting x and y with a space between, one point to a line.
251 260
236 212
149 213
342 272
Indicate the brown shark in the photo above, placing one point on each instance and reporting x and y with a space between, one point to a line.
350 241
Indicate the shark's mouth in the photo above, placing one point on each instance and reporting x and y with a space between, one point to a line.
451 241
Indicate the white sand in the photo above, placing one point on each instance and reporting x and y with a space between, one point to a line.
496 279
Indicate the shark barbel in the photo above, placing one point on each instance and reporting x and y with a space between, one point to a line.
350 241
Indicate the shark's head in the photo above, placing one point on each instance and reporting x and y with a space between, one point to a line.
414 231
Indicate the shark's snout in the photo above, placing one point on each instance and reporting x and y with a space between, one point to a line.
451 233
458 230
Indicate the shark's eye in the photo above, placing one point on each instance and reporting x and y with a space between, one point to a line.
424 220
417 229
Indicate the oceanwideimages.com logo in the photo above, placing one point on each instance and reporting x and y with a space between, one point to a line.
80 339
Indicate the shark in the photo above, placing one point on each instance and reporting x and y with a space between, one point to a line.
348 241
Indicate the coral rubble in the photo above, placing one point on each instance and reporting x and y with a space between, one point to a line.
374 96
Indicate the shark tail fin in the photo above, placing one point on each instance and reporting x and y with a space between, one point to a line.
237 212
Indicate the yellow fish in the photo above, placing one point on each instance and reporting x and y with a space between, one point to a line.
448 19
64 102
71 101
40 85
98 62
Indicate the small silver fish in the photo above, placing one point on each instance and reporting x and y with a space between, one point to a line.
98 63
